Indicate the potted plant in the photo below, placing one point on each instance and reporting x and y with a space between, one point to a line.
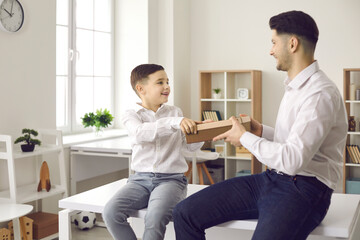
101 119
29 142
217 93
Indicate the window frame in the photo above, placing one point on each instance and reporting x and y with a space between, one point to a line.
71 126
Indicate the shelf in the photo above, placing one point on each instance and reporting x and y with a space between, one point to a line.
352 164
242 156
223 100
349 76
230 105
353 133
29 193
39 150
239 100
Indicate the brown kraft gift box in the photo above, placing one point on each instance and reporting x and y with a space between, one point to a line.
45 224
207 131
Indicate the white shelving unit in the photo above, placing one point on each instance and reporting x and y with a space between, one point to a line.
28 193
229 105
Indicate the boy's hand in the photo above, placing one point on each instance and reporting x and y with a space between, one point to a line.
234 134
256 127
188 126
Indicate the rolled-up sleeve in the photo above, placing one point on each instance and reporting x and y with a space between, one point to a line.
149 131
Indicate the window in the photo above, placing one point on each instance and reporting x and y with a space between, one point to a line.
84 60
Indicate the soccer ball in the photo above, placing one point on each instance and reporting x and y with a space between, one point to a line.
85 220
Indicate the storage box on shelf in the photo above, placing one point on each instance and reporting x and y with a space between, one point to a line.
351 168
240 94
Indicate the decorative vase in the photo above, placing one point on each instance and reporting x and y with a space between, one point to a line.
27 147
352 124
216 95
98 131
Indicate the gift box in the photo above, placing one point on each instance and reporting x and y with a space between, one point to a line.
45 224
207 131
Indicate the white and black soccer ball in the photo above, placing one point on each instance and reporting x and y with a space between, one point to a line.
85 220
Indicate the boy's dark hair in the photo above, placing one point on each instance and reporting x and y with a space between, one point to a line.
142 72
298 23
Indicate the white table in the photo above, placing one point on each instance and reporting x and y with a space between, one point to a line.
342 220
12 211
82 169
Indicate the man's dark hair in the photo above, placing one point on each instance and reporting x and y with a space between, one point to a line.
141 73
297 23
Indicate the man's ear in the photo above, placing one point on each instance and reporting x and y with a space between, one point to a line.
294 44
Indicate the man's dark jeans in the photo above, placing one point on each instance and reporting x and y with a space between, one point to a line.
287 207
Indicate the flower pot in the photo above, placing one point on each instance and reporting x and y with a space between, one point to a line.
98 131
27 148
216 95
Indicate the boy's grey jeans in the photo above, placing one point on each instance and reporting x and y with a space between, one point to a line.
158 192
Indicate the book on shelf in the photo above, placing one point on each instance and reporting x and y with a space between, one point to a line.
351 158
353 153
357 152
212 115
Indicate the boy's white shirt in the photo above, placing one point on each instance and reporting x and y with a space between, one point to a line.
156 139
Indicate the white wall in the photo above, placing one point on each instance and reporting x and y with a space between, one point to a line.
232 34
131 49
27 78
27 70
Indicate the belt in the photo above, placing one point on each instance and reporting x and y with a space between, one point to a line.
280 172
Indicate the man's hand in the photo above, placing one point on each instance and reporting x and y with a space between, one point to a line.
234 134
188 126
256 127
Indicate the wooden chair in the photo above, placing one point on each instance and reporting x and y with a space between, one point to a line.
200 158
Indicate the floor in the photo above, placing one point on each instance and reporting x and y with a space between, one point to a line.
98 233
95 233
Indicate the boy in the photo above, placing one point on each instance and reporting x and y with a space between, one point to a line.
156 133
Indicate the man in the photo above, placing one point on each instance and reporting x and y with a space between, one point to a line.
304 151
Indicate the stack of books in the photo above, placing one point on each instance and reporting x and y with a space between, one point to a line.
353 153
212 115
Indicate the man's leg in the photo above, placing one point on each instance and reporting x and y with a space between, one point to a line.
168 191
291 208
233 199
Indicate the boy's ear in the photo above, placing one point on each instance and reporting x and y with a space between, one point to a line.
139 88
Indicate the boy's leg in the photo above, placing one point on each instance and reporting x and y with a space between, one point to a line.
292 208
133 196
167 192
233 199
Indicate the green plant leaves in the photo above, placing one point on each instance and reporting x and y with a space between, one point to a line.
27 137
101 119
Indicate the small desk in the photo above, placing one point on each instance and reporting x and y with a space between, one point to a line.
12 211
115 148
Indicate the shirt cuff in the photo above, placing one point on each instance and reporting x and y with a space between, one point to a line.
248 139
175 122
268 133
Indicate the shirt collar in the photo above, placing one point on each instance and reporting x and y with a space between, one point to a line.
138 107
302 77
